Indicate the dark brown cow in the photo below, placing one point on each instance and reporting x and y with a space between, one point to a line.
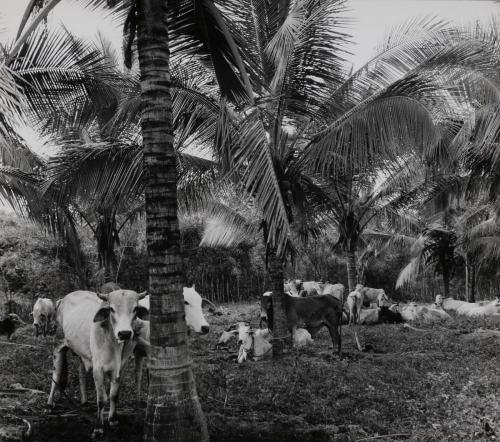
314 311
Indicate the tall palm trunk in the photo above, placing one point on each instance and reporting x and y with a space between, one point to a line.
446 281
352 273
173 412
281 334
470 281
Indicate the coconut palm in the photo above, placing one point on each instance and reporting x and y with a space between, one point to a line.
173 409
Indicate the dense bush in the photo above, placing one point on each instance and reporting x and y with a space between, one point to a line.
34 263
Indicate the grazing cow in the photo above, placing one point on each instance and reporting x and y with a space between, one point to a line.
377 296
354 304
314 311
99 329
44 316
335 290
10 324
379 315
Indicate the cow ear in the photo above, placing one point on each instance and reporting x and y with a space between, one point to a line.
142 312
102 314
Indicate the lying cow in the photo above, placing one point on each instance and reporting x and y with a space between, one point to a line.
354 304
10 324
44 316
99 329
312 288
380 315
335 290
292 287
315 312
413 311
477 310
377 296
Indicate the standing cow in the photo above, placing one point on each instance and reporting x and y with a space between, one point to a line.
44 316
374 296
99 329
354 304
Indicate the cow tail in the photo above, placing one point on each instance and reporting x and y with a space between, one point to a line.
61 372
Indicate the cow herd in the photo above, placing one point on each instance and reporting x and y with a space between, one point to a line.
106 330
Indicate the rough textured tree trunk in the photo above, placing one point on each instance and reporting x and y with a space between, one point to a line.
471 282
281 334
352 275
173 411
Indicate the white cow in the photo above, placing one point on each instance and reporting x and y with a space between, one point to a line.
335 290
44 316
292 287
413 311
377 296
477 310
99 329
313 287
354 304
256 341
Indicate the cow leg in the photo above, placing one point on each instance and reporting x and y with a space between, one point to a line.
82 377
100 388
60 373
336 339
113 399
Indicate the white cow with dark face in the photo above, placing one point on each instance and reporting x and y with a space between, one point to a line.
99 329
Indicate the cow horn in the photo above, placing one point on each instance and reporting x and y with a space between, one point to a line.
142 295
103 296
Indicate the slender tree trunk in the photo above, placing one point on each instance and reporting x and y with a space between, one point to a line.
471 282
352 276
446 281
281 334
173 411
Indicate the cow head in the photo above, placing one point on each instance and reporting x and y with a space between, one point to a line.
439 300
121 308
193 306
382 299
358 287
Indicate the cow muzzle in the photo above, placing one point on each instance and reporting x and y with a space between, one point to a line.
124 335
205 329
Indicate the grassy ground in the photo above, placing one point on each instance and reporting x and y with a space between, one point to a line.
436 385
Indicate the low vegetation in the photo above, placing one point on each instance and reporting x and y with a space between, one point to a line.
438 384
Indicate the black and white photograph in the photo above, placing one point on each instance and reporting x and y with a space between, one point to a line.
249 220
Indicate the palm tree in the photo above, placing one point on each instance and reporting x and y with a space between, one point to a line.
173 408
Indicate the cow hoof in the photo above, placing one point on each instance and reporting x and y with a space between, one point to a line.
98 433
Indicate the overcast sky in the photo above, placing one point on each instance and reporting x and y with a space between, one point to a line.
372 19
